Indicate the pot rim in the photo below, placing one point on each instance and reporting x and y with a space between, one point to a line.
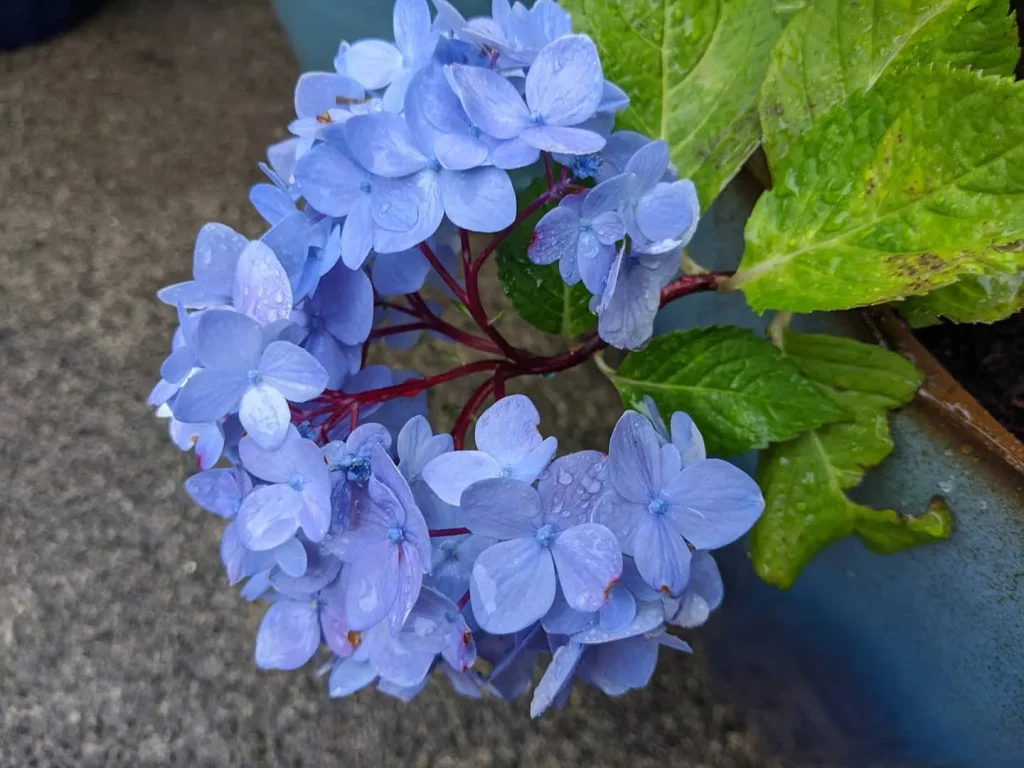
941 392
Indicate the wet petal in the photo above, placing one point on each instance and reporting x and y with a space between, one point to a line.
556 677
661 555
289 635
501 508
491 101
292 371
452 473
373 585
565 82
589 562
215 490
512 586
269 516
208 395
373 63
264 414
712 503
634 463
569 141
480 200
555 237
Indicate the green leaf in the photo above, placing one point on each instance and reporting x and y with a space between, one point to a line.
737 387
896 192
692 69
539 293
805 480
834 48
981 299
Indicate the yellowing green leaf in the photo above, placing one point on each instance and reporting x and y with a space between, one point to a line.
835 48
981 299
692 69
805 480
896 192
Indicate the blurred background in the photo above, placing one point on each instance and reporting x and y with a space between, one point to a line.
120 643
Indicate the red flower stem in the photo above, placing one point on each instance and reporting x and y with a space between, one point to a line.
409 388
450 281
391 330
548 170
467 252
463 601
437 533
499 385
469 410
687 284
423 312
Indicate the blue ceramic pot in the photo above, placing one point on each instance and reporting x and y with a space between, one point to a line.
907 659
315 27
30 21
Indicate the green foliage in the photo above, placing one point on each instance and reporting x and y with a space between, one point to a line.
835 48
981 299
538 293
692 69
737 387
896 192
805 480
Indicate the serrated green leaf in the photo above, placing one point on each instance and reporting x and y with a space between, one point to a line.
737 387
692 69
834 48
896 192
981 299
805 480
538 293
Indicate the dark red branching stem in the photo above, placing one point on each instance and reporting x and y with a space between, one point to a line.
463 601
507 362
438 533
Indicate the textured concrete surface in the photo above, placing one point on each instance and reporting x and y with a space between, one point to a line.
120 644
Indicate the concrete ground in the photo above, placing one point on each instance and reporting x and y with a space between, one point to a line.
120 643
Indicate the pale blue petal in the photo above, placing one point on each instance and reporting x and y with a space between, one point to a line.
555 237
382 144
232 553
528 468
687 439
413 32
452 473
491 101
373 584
357 235
627 320
620 609
395 274
594 260
269 517
178 365
216 253
394 98
410 579
570 487
261 288
329 180
289 635
226 339
215 490
634 465
208 395
348 304
291 557
569 141
501 508
589 562
513 153
565 82
673 642
264 414
479 200
649 616
556 677
337 360
609 227
349 676
669 212
290 239
621 147
395 203
271 202
319 92
618 667
671 462
563 619
295 456
508 430
712 503
648 165
373 63
613 98
425 189
193 295
513 585
661 555
460 152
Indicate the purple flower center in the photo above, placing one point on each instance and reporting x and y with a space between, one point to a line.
365 186
433 163
657 506
316 323
536 118
254 376
395 534
586 166
359 470
295 482
544 535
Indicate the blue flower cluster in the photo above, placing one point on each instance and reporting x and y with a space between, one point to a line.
375 542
